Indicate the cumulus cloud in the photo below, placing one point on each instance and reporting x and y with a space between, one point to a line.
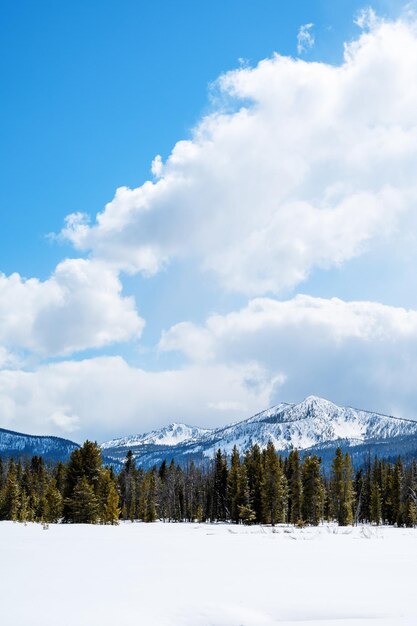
350 352
302 165
305 38
105 397
80 306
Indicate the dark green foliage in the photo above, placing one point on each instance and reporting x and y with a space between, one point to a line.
274 488
376 504
295 487
260 488
219 494
254 466
233 486
313 491
341 489
10 500
83 505
53 503
111 512
245 512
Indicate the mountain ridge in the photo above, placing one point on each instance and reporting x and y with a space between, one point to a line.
51 447
314 425
311 424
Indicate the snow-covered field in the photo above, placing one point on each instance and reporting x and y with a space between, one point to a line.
198 574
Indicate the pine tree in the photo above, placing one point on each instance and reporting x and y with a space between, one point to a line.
341 488
60 477
111 509
411 514
83 505
233 486
54 503
219 494
127 480
273 488
410 504
132 507
11 493
244 510
397 493
24 507
150 510
124 512
376 503
254 466
313 490
295 487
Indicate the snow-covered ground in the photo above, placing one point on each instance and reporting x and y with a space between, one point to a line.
201 575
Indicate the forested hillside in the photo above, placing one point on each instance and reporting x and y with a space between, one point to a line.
260 487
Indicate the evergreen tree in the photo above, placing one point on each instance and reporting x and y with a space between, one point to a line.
60 477
111 509
313 491
254 466
295 487
233 486
10 499
24 507
54 503
341 488
245 512
84 463
83 505
376 504
397 493
219 494
273 488
150 510
410 503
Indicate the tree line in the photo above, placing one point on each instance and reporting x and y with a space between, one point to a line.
260 487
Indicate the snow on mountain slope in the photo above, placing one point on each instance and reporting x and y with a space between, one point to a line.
19 444
313 421
170 435
309 424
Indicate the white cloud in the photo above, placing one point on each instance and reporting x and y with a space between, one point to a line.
105 397
362 353
367 18
316 168
157 166
359 353
305 38
80 306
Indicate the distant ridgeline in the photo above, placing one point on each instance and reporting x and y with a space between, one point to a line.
51 449
314 426
260 487
19 445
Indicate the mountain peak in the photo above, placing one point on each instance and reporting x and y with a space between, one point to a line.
313 423
317 400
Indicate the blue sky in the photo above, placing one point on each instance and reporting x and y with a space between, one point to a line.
92 92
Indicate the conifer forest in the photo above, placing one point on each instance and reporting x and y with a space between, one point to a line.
259 488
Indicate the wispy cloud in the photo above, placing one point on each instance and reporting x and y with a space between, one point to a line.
305 38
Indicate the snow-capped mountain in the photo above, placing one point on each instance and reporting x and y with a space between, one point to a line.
170 435
13 444
314 424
